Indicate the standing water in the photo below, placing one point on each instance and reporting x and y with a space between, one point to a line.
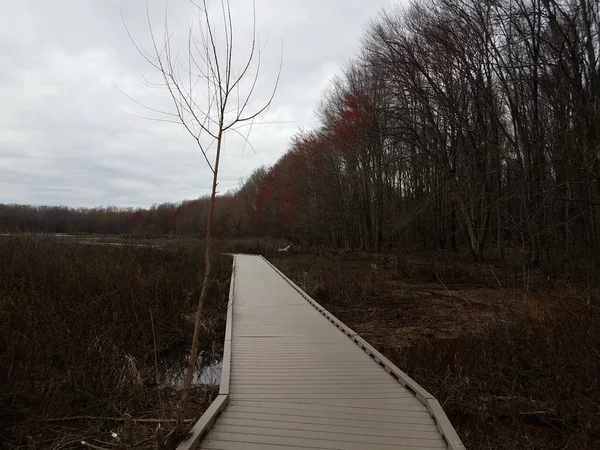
208 372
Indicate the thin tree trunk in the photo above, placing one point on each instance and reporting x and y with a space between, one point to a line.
189 376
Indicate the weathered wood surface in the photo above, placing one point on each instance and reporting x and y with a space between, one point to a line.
297 381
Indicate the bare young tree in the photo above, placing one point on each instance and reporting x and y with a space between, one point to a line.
211 96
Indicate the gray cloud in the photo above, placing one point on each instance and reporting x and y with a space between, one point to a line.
67 135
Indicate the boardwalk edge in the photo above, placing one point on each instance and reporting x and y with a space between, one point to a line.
202 427
433 406
208 419
226 367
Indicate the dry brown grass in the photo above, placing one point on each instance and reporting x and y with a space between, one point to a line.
80 327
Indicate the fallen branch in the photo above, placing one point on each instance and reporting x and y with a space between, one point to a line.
111 419
92 446
535 413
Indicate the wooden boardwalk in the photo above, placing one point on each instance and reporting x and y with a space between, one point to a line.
294 377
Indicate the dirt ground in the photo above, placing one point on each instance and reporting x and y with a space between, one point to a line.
500 345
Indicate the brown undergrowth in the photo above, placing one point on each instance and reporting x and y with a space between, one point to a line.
512 354
87 331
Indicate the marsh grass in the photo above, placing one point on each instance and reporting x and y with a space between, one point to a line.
82 327
519 384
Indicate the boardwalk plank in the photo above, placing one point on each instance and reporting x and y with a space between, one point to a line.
294 406
328 435
227 445
351 413
358 428
321 443
410 422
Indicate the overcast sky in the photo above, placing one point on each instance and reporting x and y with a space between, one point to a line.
69 137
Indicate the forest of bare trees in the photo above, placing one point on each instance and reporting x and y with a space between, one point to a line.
166 219
462 124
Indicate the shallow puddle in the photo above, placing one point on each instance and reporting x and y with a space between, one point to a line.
208 372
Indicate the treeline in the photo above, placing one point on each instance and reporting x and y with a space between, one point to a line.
461 123
185 218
